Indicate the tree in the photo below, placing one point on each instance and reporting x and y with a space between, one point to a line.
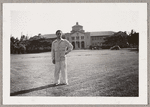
133 39
119 38
35 44
39 34
22 38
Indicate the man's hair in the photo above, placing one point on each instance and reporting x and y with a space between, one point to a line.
58 32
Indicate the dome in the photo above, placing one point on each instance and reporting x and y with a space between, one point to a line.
77 27
77 24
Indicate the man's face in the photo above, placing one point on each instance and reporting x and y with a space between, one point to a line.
59 34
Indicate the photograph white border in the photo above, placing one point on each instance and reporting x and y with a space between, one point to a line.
141 100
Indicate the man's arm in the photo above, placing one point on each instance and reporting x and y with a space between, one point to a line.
52 52
69 46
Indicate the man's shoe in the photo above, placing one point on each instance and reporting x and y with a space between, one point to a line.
57 83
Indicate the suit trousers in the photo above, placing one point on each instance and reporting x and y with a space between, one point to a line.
60 68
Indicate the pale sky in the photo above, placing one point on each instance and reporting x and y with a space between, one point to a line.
46 18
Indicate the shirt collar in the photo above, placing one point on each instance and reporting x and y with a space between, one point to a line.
59 40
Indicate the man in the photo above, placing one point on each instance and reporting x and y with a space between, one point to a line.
60 48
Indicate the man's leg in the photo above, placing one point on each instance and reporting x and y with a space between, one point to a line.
57 73
64 72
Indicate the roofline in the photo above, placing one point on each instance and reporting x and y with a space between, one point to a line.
77 31
77 25
100 35
81 33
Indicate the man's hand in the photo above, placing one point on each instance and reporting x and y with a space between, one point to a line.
67 52
53 61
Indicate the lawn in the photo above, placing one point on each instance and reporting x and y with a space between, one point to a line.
90 73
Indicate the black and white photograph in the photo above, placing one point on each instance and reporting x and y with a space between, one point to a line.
75 53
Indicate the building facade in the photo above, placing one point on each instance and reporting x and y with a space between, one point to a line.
78 37
81 39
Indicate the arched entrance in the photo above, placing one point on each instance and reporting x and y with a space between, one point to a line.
78 44
73 43
82 44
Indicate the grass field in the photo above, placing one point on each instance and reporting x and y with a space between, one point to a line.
90 73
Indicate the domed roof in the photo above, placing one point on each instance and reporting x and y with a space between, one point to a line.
77 28
77 24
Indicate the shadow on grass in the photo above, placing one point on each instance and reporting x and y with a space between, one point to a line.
33 89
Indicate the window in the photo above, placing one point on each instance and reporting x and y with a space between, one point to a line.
82 37
72 38
77 37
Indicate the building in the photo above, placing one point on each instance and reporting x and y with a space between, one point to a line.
78 37
97 38
81 39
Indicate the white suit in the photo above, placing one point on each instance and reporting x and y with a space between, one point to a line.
59 51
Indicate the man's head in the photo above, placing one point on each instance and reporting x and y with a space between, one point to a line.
59 34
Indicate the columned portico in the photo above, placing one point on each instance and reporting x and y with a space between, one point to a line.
78 35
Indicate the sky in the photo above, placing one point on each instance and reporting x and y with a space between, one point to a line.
45 18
